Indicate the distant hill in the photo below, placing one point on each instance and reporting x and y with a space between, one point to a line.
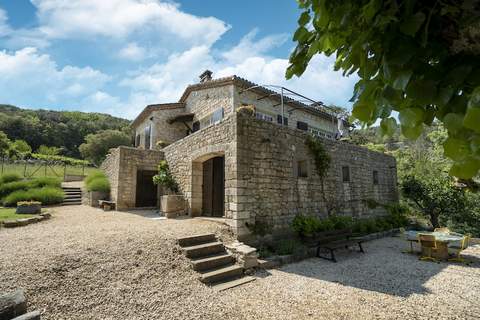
66 129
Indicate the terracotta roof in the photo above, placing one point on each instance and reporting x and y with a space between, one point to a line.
245 84
154 107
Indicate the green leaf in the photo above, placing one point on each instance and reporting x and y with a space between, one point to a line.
388 126
444 95
401 79
456 149
422 91
301 35
466 169
304 18
453 122
412 24
412 133
411 117
472 119
362 112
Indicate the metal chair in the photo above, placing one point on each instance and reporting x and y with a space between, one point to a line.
442 230
463 245
429 245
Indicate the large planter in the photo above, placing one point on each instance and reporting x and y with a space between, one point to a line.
172 205
28 208
95 196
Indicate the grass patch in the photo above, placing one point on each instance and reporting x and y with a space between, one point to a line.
46 195
9 214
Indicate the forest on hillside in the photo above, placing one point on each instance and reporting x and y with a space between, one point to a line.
65 130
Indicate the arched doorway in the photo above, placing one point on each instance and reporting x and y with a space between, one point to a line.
208 185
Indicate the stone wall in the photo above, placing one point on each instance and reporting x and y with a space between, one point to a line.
270 191
185 158
161 129
121 167
205 101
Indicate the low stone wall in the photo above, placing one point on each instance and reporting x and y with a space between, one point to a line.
121 167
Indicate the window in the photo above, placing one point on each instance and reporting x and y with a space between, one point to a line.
346 174
279 120
263 116
217 115
375 177
137 140
148 131
196 126
302 169
320 133
302 125
212 118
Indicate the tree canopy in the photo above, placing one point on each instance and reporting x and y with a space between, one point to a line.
418 58
97 145
65 130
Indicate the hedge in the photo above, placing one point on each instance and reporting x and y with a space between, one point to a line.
46 195
9 177
97 181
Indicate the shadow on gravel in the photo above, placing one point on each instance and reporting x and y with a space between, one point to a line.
383 268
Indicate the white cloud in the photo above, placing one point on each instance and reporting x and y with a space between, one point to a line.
33 79
133 52
121 18
248 46
4 27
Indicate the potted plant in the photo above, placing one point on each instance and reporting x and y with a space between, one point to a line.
171 204
29 207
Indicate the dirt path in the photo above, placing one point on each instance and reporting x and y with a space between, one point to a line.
90 264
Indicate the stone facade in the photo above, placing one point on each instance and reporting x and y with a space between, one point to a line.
121 167
269 175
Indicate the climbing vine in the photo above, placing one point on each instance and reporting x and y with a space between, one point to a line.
321 157
165 178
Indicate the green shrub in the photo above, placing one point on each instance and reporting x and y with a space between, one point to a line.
7 188
305 226
46 195
9 177
99 184
287 246
94 175
46 182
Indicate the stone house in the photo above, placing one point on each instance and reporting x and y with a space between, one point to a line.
247 168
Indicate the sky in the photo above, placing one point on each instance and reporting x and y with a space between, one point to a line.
117 56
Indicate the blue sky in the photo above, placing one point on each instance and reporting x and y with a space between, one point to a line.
116 56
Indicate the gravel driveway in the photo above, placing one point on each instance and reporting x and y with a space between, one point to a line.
88 264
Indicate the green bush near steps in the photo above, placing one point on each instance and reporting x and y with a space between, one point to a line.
9 177
9 187
97 182
45 195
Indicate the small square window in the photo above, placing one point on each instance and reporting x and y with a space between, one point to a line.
302 125
279 120
375 177
346 174
196 126
302 169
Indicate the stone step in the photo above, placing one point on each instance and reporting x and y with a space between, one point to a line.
196 240
203 250
71 199
72 192
212 262
71 203
221 274
71 189
233 283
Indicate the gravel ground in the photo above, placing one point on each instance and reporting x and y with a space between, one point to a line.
88 264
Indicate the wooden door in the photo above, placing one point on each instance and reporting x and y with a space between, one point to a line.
147 192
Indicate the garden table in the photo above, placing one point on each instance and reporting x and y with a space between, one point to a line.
443 240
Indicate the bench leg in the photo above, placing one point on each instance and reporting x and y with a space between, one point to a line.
332 255
361 248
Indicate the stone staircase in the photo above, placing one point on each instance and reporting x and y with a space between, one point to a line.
73 196
215 265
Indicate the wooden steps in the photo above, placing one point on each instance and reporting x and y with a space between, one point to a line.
73 196
215 265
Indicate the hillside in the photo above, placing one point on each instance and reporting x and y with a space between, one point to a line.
66 129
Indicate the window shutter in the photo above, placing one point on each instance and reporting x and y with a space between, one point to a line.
279 118
302 125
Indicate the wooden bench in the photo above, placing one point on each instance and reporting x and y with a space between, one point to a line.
106 205
336 240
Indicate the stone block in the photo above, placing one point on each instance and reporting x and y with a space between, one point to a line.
12 305
34 315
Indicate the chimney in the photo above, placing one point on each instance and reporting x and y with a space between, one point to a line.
206 76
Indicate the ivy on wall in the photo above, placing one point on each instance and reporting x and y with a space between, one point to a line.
321 157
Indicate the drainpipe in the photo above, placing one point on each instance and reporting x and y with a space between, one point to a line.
283 110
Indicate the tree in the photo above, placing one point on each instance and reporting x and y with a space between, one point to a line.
21 147
97 145
419 58
4 143
48 151
436 198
